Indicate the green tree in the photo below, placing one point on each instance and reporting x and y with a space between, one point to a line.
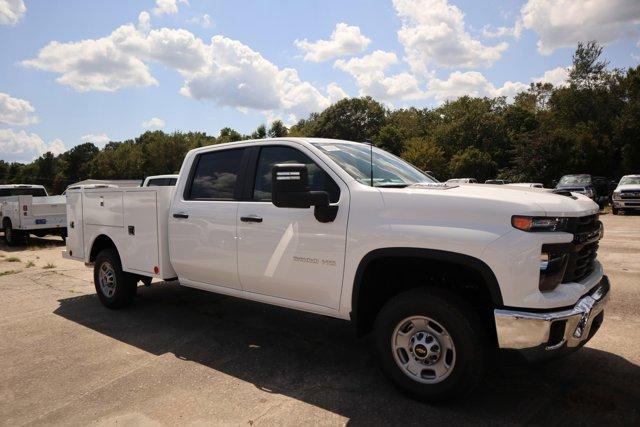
277 129
472 163
259 133
229 135
390 139
353 119
588 71
426 155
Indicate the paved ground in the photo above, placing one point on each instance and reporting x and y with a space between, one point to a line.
181 356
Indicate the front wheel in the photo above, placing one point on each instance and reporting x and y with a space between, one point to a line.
115 288
431 345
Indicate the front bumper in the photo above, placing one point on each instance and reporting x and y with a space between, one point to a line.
626 204
537 335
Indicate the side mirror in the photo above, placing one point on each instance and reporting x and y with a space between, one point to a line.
290 189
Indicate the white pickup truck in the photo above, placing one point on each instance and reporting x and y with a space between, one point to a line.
28 209
443 275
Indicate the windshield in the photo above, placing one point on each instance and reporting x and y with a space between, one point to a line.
23 191
575 179
633 180
388 170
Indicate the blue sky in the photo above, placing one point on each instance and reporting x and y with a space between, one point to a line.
72 71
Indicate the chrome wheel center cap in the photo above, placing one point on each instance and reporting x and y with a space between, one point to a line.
425 348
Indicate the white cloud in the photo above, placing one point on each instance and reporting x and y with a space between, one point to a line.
11 11
566 22
224 71
57 146
369 72
144 21
345 40
100 139
490 32
167 7
335 92
557 76
100 64
471 83
204 21
237 76
23 147
16 111
153 123
433 32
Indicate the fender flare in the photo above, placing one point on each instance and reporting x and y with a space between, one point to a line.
431 254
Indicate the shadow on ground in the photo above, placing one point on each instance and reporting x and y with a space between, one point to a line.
319 361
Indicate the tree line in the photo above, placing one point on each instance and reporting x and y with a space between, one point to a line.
590 125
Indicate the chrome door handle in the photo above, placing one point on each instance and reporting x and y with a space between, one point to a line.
251 218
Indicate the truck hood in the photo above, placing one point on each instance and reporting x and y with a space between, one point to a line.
632 187
500 199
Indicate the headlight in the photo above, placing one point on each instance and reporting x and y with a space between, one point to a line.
616 196
538 223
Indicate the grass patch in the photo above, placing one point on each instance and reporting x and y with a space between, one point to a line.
49 265
8 272
13 259
30 264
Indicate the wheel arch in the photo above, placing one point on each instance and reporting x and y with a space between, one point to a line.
101 242
462 263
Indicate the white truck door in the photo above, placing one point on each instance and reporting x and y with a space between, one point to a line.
202 221
287 253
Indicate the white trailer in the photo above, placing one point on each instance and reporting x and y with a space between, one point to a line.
28 209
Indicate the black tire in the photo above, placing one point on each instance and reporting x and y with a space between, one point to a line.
124 284
12 237
469 337
614 211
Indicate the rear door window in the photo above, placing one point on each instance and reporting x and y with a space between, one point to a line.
215 175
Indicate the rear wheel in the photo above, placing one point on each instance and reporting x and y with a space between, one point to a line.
12 237
115 288
431 345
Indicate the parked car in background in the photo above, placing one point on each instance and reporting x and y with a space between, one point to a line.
28 209
597 188
626 196
160 181
497 181
527 184
462 181
443 276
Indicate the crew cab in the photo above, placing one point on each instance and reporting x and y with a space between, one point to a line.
28 209
626 196
442 275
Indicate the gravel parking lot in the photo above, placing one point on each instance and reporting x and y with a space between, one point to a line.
182 356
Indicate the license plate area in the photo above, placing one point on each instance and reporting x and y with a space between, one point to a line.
41 221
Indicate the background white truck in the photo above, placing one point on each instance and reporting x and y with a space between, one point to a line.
443 275
28 209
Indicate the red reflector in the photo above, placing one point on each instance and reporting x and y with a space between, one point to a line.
156 270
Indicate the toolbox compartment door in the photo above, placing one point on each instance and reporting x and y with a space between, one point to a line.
140 248
75 229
